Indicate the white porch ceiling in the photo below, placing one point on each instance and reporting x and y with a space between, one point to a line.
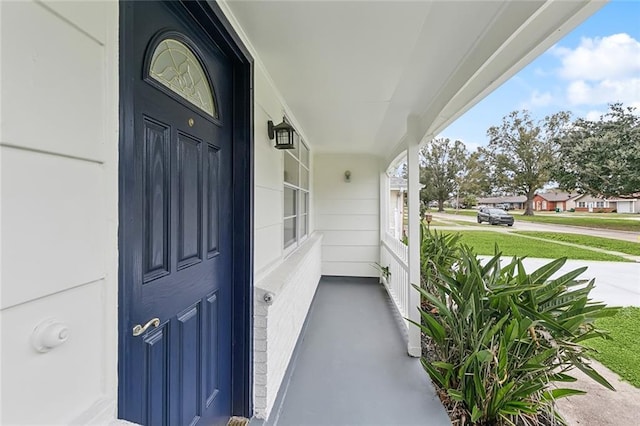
351 72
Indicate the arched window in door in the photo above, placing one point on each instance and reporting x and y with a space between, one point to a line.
175 66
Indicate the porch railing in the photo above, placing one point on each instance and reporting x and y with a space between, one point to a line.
395 254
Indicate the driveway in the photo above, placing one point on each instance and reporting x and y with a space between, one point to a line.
617 283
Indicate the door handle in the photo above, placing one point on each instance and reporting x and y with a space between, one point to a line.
139 329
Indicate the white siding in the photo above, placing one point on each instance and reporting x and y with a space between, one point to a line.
59 140
293 280
291 276
347 213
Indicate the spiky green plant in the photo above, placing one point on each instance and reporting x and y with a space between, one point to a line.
503 337
437 250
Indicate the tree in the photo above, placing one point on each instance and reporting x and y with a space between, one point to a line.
602 157
523 153
474 179
441 161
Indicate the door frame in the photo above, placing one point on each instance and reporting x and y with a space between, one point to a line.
210 17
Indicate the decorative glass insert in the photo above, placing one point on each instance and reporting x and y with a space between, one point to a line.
175 66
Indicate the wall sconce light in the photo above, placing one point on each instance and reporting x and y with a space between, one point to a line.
347 176
282 133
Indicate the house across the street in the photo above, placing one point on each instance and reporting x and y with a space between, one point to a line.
514 202
552 200
594 204
628 203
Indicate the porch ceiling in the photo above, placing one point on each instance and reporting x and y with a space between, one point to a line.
353 71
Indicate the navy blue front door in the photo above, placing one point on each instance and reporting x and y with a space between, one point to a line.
176 223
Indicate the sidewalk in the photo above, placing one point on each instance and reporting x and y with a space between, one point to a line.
617 283
601 406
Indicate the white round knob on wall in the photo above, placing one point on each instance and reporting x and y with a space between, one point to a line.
49 334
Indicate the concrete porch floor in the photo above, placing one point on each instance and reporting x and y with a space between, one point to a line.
351 367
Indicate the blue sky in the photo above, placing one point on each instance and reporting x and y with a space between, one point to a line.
596 64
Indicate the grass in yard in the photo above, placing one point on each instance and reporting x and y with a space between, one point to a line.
587 240
622 353
452 222
437 223
463 212
483 243
589 222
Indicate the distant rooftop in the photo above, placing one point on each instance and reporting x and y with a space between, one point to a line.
556 195
505 199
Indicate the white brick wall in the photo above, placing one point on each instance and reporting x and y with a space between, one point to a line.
277 326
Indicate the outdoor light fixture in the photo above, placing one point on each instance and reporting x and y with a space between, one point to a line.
283 134
347 176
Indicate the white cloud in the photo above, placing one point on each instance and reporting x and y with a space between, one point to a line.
601 70
613 57
583 92
593 115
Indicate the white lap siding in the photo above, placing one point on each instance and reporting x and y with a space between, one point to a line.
59 139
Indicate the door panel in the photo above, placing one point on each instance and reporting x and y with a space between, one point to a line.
156 205
189 347
211 356
213 168
176 238
190 201
155 367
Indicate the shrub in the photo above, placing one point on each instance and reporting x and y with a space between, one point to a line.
502 336
437 250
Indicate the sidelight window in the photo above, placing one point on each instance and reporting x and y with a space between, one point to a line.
296 194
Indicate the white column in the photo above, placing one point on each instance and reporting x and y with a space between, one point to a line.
413 201
384 203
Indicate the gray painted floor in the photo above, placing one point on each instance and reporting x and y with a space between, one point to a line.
351 366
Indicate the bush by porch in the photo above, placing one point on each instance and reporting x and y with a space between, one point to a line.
501 337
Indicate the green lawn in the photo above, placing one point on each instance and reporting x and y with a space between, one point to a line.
462 212
483 243
622 353
611 221
589 222
452 222
587 240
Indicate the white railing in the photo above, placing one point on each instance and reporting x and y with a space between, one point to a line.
395 254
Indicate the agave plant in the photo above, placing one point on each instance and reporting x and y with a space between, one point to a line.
504 338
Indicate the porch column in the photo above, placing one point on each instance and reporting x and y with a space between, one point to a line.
413 201
384 202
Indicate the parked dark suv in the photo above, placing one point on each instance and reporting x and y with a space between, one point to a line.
494 216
